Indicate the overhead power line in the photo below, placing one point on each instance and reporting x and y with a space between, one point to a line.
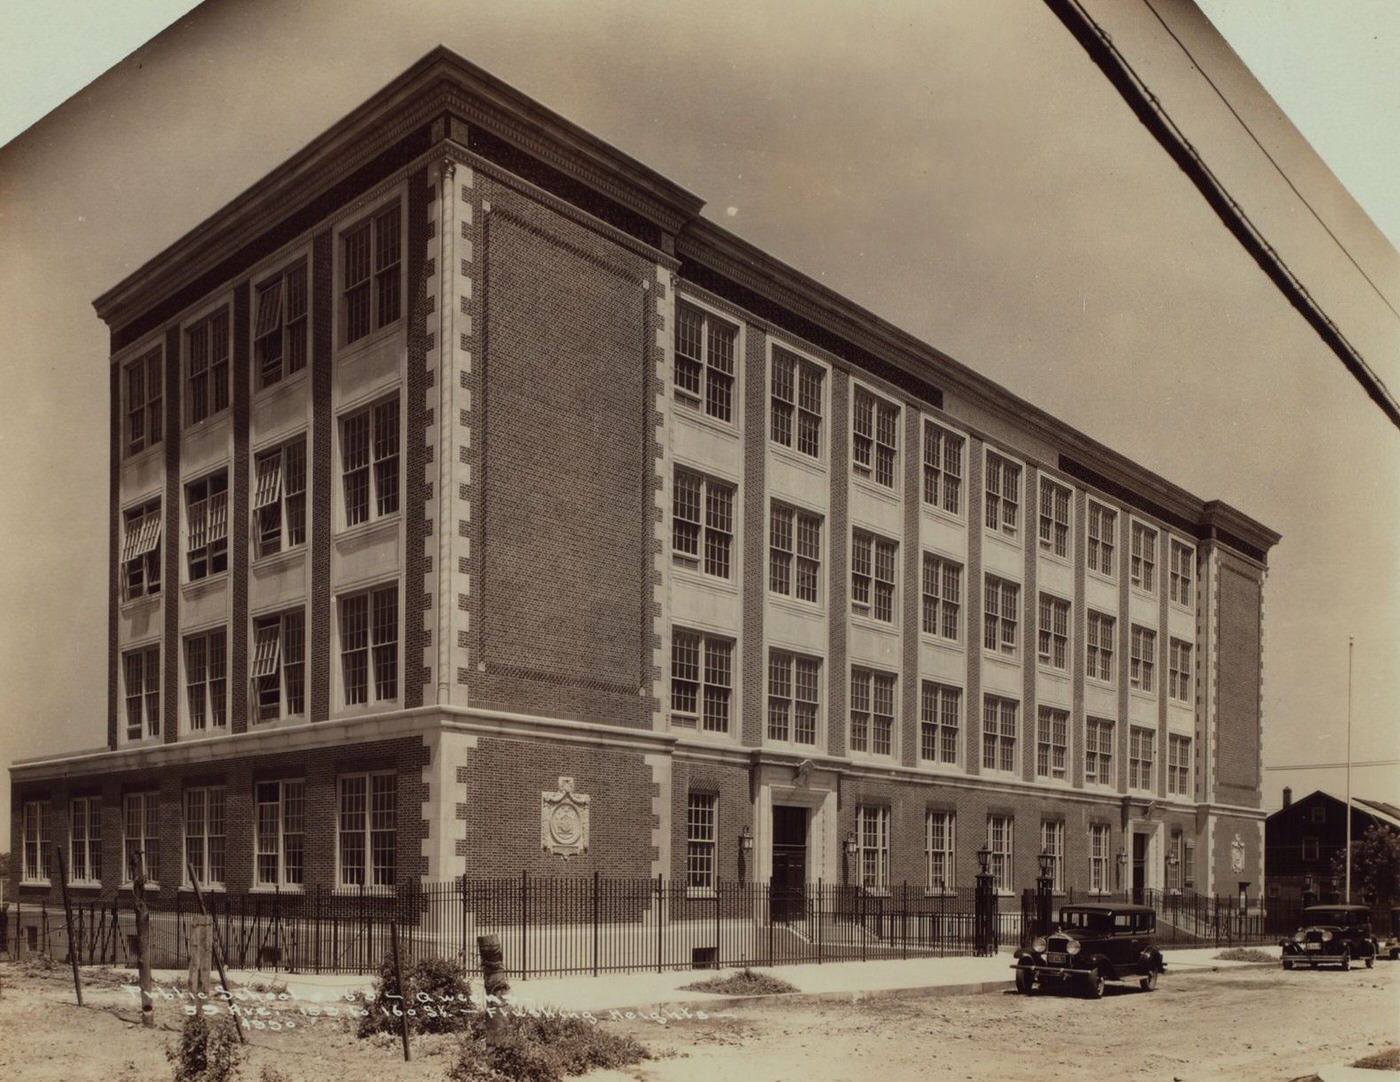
1334 766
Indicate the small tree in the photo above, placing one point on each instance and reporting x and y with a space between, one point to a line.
1375 866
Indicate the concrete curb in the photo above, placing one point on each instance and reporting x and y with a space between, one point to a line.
842 996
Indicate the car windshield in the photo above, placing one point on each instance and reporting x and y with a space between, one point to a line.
1086 920
1341 917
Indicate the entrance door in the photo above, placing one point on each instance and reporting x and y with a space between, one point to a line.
787 891
1139 867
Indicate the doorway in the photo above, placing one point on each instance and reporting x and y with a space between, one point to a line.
1140 843
787 898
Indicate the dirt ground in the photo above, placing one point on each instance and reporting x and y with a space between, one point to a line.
1252 1024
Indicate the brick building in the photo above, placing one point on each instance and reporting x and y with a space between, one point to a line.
477 506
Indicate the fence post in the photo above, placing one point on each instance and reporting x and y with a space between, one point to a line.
659 937
524 924
717 935
595 922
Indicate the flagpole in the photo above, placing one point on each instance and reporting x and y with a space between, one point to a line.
1351 643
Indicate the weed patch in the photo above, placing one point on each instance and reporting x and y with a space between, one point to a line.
1245 954
746 982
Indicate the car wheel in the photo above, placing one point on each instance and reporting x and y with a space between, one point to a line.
1288 963
1095 983
1346 960
1149 982
1025 980
1395 954
1370 961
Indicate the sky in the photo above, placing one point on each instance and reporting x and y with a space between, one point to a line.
959 169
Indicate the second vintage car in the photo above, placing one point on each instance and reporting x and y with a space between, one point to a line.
1331 935
1092 944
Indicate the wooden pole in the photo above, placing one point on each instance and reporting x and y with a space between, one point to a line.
493 979
68 917
398 981
215 945
143 928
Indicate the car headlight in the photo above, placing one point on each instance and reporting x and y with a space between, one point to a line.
1299 936
1072 947
1039 944
1327 937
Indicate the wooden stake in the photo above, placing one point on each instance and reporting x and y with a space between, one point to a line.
68 917
216 946
398 981
143 928
493 980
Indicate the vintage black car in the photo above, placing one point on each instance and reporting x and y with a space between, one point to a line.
1094 943
1331 935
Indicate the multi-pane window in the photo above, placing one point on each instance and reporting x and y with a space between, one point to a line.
370 284
1052 842
206 513
1098 858
140 847
794 553
940 713
793 684
943 468
1053 648
279 665
1179 670
1141 746
366 838
701 829
34 830
1051 743
1181 573
1054 517
942 594
1178 765
1098 752
702 523
797 403
280 327
872 576
204 835
369 645
1144 557
1143 659
85 839
1000 831
873 834
1000 612
872 711
1174 849
280 842
141 675
701 681
1103 524
206 680
1098 643
279 499
207 351
1003 492
704 373
369 452
144 402
140 556
874 439
939 835
999 733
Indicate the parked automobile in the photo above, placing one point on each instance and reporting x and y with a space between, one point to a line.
1091 944
1391 947
1331 935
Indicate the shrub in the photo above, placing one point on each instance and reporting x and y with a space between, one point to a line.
746 982
1246 954
435 994
208 1050
541 1049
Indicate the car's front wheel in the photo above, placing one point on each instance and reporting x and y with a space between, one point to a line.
1149 982
1371 960
1288 963
1095 983
1346 960
1025 980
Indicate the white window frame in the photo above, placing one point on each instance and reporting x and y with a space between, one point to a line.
1056 517
141 667
1000 724
140 818
701 838
797 397
1052 841
1180 676
702 528
1002 494
702 694
702 376
1101 539
1052 640
1142 664
206 664
1181 573
875 438
874 576
34 841
280 482
378 643
1100 844
364 823
1143 557
940 851
1100 646
940 722
1001 616
941 583
1178 764
873 847
1052 743
143 421
141 550
944 460
794 553
1098 751
1001 841
371 469
1142 757
214 374
281 321
206 526
205 818
271 672
271 839
794 698
85 840
382 280
874 712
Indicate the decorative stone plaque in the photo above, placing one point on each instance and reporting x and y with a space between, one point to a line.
564 821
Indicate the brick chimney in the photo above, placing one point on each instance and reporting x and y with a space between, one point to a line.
1287 796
